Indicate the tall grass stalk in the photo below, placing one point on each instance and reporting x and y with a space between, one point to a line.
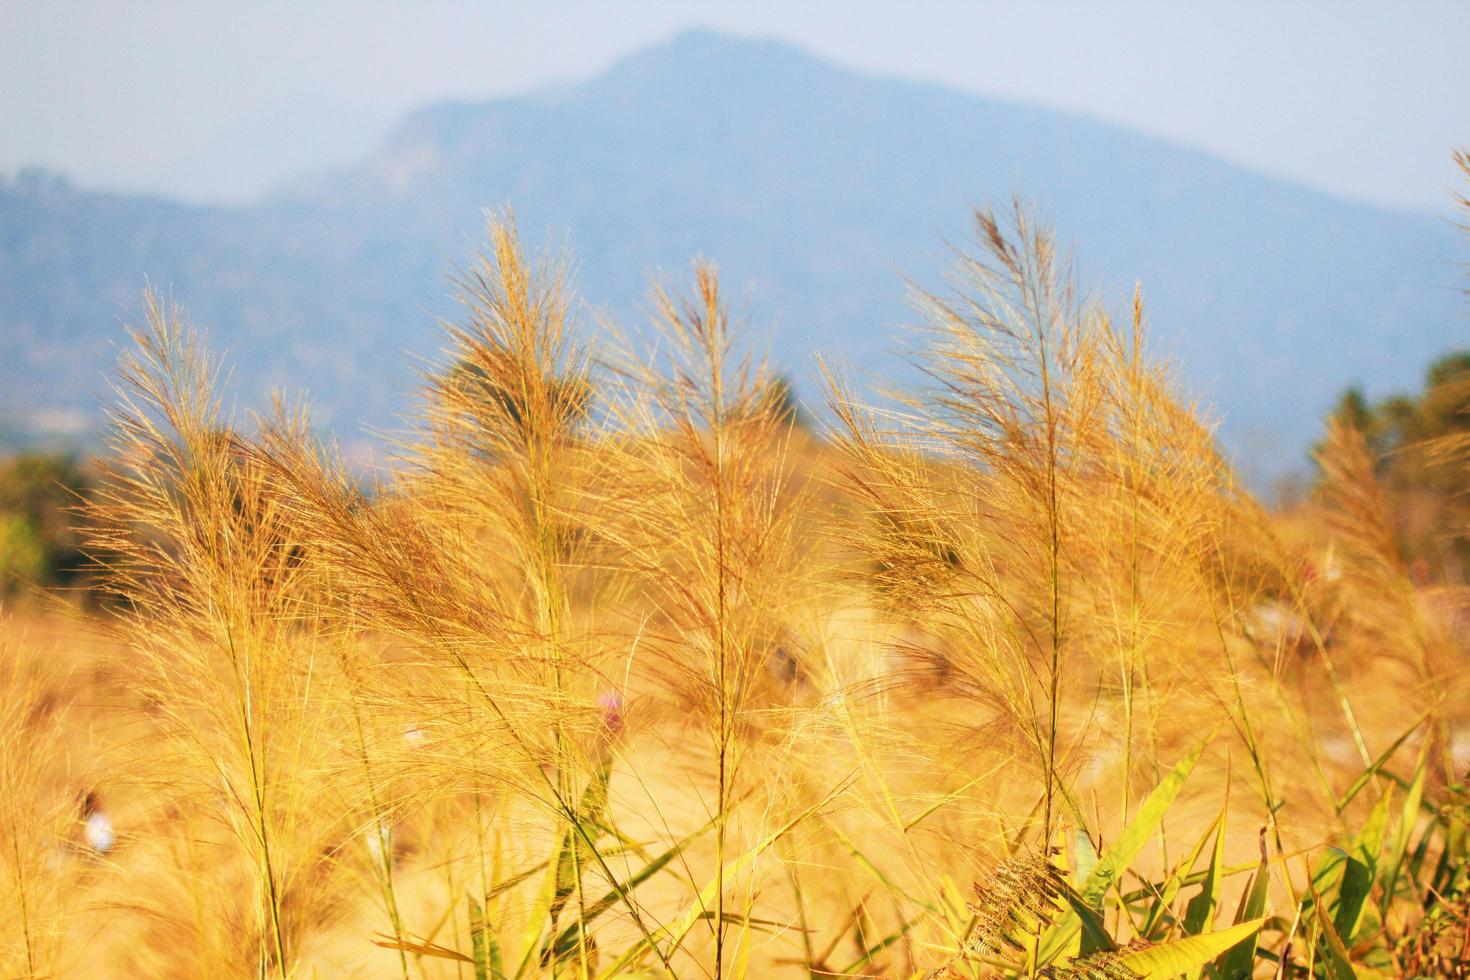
618 669
220 613
705 489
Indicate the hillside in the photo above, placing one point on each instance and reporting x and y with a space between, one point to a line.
815 188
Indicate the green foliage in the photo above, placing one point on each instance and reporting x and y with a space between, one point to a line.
571 397
39 541
1419 443
1392 899
22 558
1402 421
787 406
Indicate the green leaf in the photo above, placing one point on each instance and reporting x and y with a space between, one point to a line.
1085 860
1393 867
1377 765
1095 936
1200 913
575 852
483 946
1334 954
1139 831
621 889
539 920
1362 868
1120 856
1189 954
1241 959
1163 896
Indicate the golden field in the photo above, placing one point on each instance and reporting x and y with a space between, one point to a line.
619 670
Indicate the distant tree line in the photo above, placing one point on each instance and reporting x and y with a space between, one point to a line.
40 543
1421 444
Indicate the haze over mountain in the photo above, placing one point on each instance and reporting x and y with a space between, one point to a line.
815 189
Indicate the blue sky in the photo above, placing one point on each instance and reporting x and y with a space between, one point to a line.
220 101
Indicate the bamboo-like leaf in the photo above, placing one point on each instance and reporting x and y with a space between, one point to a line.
1378 764
1241 959
1095 936
1140 829
1120 856
1199 914
1189 954
1085 860
1335 959
1393 867
1362 869
1163 896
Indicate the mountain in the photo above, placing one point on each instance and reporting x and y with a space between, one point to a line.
816 189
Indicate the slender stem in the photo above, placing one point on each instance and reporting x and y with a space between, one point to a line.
1040 310
20 884
717 427
257 787
384 847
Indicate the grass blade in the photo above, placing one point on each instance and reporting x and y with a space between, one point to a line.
1188 955
1120 856
1362 869
1240 960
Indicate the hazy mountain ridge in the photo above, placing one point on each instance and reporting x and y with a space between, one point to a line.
814 188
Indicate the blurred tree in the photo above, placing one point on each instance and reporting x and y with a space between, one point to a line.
22 560
1421 446
573 394
40 543
783 396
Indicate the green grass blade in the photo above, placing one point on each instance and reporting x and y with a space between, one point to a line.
1095 936
1085 860
1362 869
1378 764
483 946
1164 895
620 890
1140 830
1393 867
1120 856
1187 955
1335 960
1200 913
1241 959
539 920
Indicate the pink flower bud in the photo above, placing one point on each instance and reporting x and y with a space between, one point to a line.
611 703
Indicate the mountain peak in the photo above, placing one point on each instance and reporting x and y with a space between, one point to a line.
704 42
697 67
817 188
712 63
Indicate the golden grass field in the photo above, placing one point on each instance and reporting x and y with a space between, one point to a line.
617 670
